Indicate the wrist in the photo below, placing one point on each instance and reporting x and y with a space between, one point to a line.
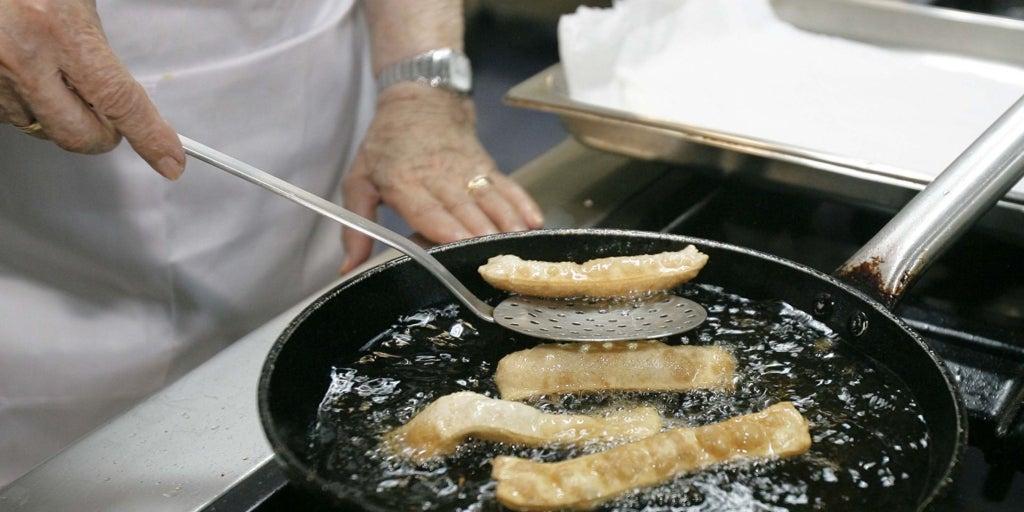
414 98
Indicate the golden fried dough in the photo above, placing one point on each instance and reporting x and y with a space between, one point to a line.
439 428
619 365
621 276
588 481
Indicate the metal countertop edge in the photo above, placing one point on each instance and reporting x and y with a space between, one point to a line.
177 450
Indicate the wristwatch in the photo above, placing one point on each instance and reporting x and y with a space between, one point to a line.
443 68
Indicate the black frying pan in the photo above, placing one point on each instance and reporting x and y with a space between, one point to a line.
334 332
888 424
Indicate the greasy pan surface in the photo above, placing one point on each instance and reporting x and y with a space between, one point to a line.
337 329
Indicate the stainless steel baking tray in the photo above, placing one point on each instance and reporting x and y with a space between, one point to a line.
883 23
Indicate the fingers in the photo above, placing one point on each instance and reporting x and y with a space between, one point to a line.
441 207
446 210
442 210
62 115
358 248
104 84
134 116
12 110
528 209
359 196
57 70
32 88
508 205
115 96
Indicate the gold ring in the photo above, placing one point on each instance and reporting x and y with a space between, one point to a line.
477 183
31 129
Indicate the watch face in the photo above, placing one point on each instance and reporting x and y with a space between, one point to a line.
461 75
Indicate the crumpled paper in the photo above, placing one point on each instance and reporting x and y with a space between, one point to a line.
733 66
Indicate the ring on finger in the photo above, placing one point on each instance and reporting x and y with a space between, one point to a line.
30 129
478 182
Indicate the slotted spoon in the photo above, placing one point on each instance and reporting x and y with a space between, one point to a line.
553 319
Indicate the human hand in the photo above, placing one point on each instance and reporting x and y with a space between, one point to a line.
420 156
60 80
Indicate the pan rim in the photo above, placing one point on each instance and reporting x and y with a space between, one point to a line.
294 466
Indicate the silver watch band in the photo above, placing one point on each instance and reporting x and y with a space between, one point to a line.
443 68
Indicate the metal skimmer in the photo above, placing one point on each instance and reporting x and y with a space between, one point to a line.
599 320
553 319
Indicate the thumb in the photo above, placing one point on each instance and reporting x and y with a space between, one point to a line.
360 197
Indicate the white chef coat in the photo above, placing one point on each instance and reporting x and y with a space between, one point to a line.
114 281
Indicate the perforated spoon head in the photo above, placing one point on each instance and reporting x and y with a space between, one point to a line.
592 320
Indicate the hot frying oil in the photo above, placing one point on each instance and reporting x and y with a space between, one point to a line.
869 438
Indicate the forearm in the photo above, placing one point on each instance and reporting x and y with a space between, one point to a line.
403 28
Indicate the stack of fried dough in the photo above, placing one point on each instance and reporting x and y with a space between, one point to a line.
642 451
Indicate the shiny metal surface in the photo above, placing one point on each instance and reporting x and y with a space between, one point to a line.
862 182
176 451
899 24
892 260
600 320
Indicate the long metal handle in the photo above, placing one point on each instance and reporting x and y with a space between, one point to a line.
324 207
936 217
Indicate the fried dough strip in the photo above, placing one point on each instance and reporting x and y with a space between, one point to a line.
588 481
619 365
621 276
439 428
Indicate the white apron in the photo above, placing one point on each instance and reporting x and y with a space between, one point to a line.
113 281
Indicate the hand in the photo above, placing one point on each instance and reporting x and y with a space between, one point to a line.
419 156
60 80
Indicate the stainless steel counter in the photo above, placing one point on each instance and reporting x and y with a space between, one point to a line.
189 443
176 451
